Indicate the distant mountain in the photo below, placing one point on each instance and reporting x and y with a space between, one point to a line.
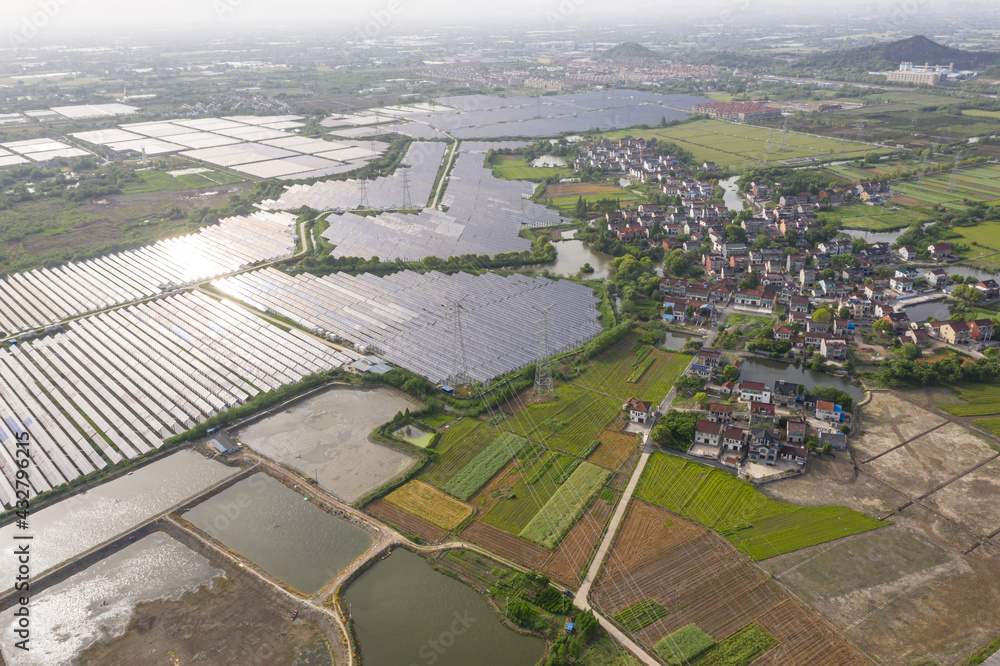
918 50
630 51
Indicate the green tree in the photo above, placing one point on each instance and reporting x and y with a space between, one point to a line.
675 430
882 327
730 373
701 399
736 234
908 351
822 316
844 313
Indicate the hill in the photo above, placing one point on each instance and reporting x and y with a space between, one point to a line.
917 50
630 51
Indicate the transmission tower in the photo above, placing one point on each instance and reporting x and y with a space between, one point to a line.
407 203
954 172
461 372
923 168
784 136
770 141
364 194
544 388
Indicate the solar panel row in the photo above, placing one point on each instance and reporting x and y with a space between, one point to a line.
409 318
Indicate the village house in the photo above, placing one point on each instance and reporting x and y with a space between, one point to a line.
989 288
981 330
899 320
833 350
761 412
754 391
837 440
709 357
708 433
639 411
953 332
936 277
764 446
791 453
903 285
827 411
939 251
915 336
908 253
699 370
718 413
795 431
781 332
785 393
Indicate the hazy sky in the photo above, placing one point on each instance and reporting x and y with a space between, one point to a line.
114 15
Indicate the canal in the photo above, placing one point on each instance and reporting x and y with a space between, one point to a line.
405 613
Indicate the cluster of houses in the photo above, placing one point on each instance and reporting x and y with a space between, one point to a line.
755 434
635 157
873 192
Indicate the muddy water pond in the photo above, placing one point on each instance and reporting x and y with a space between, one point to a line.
406 613
78 523
326 438
98 603
291 538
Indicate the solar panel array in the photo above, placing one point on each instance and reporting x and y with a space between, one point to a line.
484 216
116 384
409 318
49 295
483 116
422 162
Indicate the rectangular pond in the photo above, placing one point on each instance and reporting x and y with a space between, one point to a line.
326 438
291 538
405 612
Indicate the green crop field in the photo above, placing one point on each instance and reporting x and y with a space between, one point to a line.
612 373
733 145
458 445
978 183
740 649
978 400
564 508
484 466
751 521
641 615
512 167
993 425
569 423
530 493
874 218
683 645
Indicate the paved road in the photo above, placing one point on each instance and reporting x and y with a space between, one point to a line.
447 169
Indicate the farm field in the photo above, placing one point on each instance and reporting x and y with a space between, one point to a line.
406 522
484 466
616 446
993 425
700 579
568 562
555 519
569 423
874 218
640 372
529 493
929 574
156 181
506 545
513 167
458 445
430 504
732 145
751 521
977 183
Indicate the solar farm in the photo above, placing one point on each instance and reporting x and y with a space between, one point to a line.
115 384
419 168
409 318
481 214
259 146
46 296
484 116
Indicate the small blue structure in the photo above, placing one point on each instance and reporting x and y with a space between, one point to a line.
450 390
570 626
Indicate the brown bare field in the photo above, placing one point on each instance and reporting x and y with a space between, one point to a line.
557 190
804 639
568 560
406 521
616 446
429 504
506 545
621 477
909 202
700 578
908 592
506 478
